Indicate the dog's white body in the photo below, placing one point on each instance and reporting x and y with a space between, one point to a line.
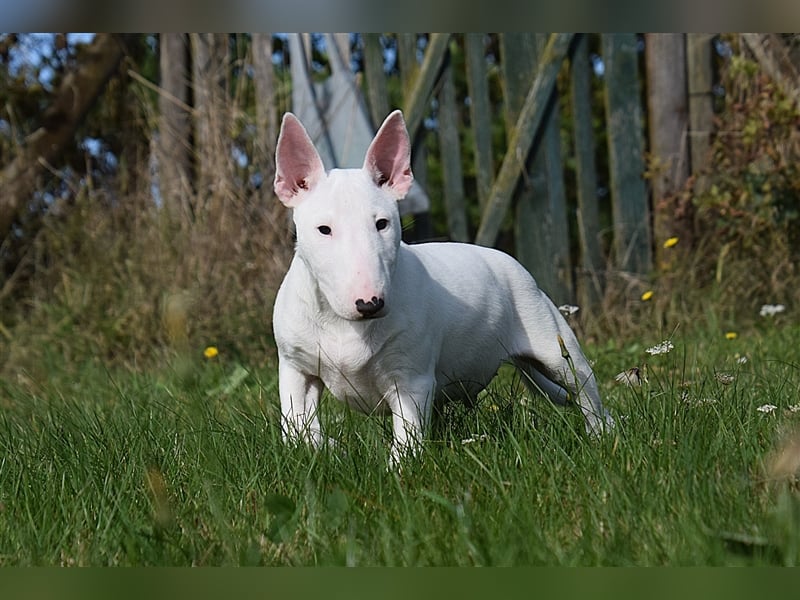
388 327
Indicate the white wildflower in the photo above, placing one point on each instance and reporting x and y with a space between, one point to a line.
766 408
770 310
568 309
661 348
724 378
691 400
477 438
741 360
794 408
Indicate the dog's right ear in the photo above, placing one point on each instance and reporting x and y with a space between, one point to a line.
298 167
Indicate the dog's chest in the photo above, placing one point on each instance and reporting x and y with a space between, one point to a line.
347 361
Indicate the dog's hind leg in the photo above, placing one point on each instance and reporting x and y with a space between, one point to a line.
549 355
538 383
562 384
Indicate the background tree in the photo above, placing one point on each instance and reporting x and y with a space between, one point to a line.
173 148
59 122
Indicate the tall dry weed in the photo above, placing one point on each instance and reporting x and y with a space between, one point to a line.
121 282
743 245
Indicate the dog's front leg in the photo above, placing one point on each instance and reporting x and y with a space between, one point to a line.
411 410
300 394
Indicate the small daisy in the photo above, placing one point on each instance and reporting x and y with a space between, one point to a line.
770 310
473 439
724 378
706 400
766 408
661 348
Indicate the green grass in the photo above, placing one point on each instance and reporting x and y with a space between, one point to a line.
186 467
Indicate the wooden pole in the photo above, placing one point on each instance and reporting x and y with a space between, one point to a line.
590 281
450 152
629 205
701 105
480 114
377 95
668 121
541 232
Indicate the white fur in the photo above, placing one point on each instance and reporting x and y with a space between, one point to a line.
451 314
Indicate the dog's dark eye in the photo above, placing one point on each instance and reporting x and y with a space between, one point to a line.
324 229
381 224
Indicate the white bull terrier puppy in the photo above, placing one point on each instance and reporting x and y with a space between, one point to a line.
389 327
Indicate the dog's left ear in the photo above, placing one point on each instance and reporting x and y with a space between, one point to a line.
388 159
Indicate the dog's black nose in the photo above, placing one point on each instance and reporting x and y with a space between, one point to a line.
370 308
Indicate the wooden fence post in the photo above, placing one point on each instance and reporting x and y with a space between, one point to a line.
450 153
175 126
407 57
540 225
668 121
377 96
590 280
409 69
632 245
480 114
701 104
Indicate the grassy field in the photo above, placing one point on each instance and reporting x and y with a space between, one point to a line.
186 467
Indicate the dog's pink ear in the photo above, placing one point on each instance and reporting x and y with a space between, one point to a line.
298 167
388 159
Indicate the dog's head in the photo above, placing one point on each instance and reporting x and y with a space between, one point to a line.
347 221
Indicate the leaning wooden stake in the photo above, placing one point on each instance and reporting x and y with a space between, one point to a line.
417 102
519 145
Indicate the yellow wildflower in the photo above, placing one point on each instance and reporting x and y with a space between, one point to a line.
670 242
731 335
210 352
647 295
